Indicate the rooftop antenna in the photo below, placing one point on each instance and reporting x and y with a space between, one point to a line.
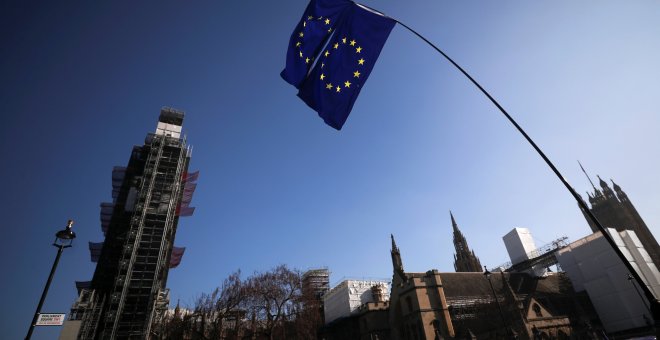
585 173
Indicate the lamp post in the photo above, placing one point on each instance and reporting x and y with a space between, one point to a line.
487 275
63 239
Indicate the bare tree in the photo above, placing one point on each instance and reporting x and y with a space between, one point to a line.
267 304
230 305
309 315
273 297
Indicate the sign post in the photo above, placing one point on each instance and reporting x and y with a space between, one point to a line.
50 319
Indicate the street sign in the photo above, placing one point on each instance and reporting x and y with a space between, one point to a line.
50 319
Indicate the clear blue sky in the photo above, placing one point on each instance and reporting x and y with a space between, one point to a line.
82 83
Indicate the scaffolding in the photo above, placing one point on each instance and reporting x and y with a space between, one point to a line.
543 257
149 195
316 282
467 307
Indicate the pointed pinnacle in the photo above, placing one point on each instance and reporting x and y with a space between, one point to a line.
585 173
453 223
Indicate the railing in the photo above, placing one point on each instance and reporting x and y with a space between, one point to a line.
538 252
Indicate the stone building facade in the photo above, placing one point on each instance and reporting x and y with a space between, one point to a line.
613 209
470 305
436 305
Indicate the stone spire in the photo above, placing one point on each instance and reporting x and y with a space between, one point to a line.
397 264
464 260
609 194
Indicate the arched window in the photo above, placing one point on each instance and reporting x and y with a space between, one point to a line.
537 310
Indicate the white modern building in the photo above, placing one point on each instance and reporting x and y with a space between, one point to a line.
519 244
349 295
521 247
593 265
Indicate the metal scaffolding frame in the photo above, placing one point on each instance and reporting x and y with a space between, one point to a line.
543 256
128 292
141 273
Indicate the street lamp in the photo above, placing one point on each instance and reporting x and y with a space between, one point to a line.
63 239
487 275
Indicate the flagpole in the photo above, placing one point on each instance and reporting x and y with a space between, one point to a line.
653 302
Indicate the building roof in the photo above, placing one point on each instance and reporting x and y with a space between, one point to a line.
476 284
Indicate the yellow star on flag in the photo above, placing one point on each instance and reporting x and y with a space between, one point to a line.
327 21
328 86
298 44
338 89
326 53
356 74
322 76
306 60
347 83
352 41
322 64
310 17
301 34
301 54
336 45
361 61
343 40
358 50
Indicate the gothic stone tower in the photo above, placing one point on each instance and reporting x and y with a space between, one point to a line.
128 291
464 260
614 210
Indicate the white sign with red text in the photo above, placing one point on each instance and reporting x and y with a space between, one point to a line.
50 319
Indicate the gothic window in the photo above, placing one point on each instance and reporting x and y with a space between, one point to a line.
537 310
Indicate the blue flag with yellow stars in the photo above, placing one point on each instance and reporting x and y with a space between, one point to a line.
343 63
310 35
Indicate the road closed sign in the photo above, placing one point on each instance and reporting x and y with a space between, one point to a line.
50 319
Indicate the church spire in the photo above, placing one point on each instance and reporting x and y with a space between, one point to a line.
397 264
464 259
394 247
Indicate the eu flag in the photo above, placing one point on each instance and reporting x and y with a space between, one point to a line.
310 35
343 63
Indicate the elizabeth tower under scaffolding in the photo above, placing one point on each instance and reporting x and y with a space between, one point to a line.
127 294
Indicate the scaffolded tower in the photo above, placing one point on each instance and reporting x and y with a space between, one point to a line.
316 282
128 291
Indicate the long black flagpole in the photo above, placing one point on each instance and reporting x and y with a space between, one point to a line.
653 302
